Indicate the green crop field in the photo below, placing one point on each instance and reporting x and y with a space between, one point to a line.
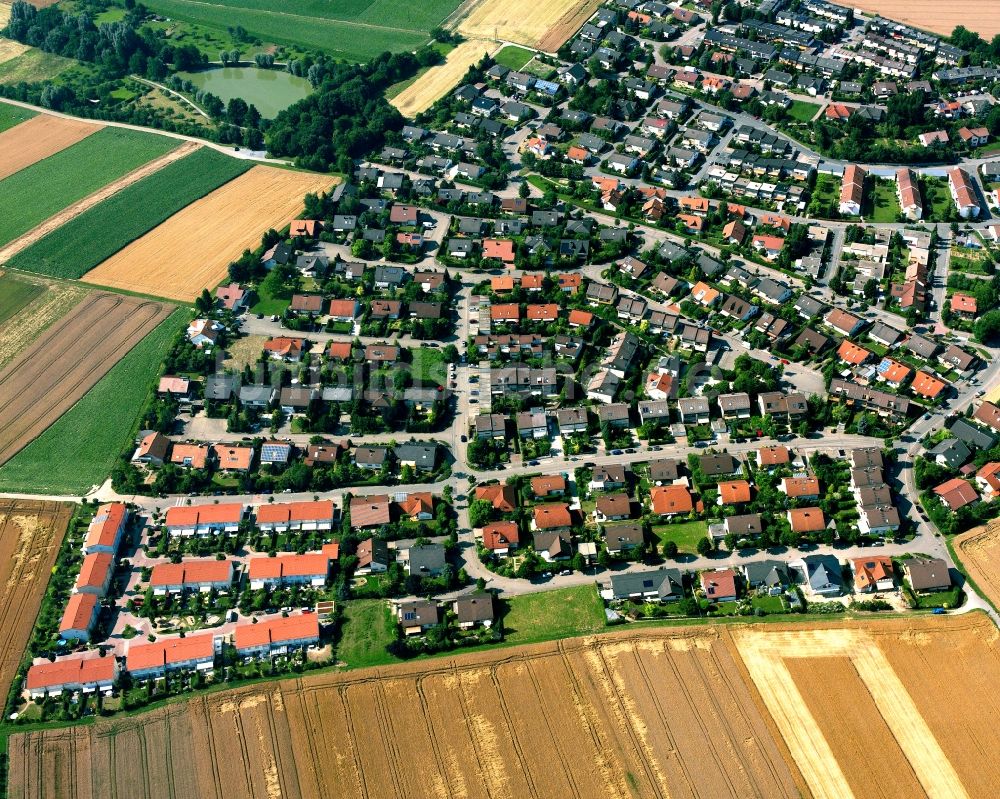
355 29
11 115
15 294
34 194
88 239
80 449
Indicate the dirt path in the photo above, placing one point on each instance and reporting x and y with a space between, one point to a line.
88 202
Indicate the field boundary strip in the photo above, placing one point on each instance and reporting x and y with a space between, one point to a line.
764 652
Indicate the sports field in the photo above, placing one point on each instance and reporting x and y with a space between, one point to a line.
71 249
37 192
193 248
353 29
80 449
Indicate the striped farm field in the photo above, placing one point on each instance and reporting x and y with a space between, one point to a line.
37 192
192 250
74 248
38 138
81 447
46 379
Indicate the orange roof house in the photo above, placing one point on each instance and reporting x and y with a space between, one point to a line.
704 294
772 456
143 659
304 227
927 386
964 304
547 312
872 573
734 492
106 528
851 353
693 223
236 459
893 372
837 111
339 350
506 312
798 487
532 282
671 499
806 520
719 585
956 493
284 347
500 536
551 517
696 205
417 504
501 284
193 456
73 673
501 496
578 318
287 631
502 249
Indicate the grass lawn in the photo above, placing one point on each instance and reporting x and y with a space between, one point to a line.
88 239
15 293
770 604
685 534
37 192
885 204
428 366
11 115
268 304
825 195
513 57
553 614
937 199
368 629
33 66
80 449
802 111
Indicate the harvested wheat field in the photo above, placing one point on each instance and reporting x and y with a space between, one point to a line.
30 535
933 15
437 81
917 688
19 330
192 250
38 138
663 713
897 707
979 551
542 26
70 357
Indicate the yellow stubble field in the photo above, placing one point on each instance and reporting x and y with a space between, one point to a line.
192 249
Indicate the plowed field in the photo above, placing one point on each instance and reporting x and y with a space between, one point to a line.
71 356
979 551
192 249
38 138
901 707
30 535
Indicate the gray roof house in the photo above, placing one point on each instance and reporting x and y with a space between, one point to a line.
770 573
821 573
661 584
425 560
972 435
420 456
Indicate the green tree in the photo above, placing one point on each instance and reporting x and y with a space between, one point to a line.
705 546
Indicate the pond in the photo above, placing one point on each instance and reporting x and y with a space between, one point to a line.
271 90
